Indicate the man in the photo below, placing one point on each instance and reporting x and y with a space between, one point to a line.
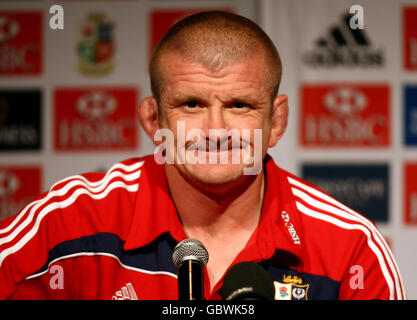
111 236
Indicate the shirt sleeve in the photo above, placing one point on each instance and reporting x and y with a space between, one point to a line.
372 272
26 239
19 258
39 243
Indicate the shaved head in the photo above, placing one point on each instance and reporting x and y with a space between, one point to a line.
216 39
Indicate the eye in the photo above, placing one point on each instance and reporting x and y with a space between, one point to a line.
191 104
240 105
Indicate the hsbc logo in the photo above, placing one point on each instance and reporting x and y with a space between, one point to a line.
345 115
94 119
20 42
410 38
18 187
9 183
8 28
345 101
96 105
412 204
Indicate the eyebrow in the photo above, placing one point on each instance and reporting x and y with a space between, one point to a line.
182 97
249 99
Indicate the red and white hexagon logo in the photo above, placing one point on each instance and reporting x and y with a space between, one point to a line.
19 185
96 105
21 42
345 101
345 115
8 28
9 183
99 118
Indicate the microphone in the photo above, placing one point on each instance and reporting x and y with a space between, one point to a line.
248 281
190 257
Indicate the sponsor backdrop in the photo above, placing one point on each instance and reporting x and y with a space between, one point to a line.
68 97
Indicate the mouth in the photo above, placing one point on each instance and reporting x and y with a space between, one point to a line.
211 147
217 154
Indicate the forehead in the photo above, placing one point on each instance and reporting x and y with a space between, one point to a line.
246 77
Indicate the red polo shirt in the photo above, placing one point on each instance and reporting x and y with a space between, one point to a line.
111 236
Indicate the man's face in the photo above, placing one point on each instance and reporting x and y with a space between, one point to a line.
236 98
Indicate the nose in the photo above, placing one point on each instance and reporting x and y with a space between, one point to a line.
216 129
216 118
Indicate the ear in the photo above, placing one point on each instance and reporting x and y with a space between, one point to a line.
148 116
279 119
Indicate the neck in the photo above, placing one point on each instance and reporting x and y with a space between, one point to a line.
222 217
207 212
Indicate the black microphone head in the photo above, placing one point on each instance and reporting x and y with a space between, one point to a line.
189 249
248 281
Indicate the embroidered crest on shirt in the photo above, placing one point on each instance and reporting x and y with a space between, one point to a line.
291 288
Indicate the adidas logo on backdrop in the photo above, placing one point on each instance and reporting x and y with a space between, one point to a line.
342 46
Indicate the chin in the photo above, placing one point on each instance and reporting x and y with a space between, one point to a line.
219 173
215 174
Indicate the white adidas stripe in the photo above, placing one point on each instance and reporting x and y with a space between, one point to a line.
340 205
80 254
55 205
127 168
351 226
79 180
340 210
343 214
63 191
333 201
